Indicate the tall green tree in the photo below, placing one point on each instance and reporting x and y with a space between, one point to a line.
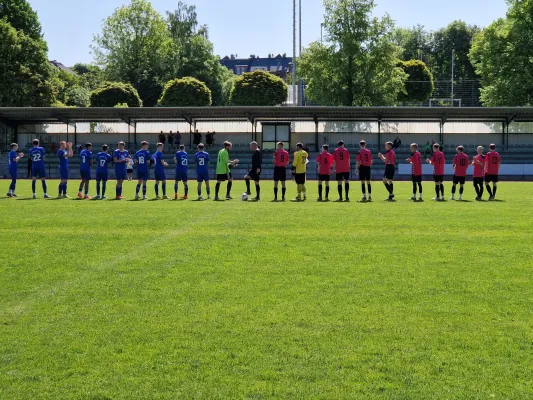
25 73
133 47
357 66
90 76
192 52
415 43
502 55
21 17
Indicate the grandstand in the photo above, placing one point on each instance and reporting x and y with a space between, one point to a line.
511 129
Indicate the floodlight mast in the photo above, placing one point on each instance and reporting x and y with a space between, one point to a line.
294 52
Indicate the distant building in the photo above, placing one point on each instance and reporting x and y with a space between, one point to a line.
61 67
279 65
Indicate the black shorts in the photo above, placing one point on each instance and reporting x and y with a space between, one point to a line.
438 178
390 170
478 181
491 178
459 180
343 176
300 179
223 177
416 178
280 174
364 173
254 175
324 178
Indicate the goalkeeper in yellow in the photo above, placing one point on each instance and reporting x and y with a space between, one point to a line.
299 168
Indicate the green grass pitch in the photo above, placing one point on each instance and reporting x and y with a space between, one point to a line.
234 300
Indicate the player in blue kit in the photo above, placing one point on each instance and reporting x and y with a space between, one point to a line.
202 171
182 167
159 171
102 171
63 154
120 159
86 162
142 159
13 166
37 155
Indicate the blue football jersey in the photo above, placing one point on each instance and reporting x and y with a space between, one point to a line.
37 155
63 159
158 160
120 155
182 161
104 160
86 157
202 162
12 160
143 160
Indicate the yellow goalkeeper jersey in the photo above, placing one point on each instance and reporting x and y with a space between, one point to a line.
300 161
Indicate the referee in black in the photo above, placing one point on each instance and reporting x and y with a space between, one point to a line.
255 172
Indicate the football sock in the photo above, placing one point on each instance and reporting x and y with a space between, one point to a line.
164 186
339 188
81 188
320 191
494 190
230 184
13 184
476 189
347 189
387 187
414 188
144 189
420 187
199 190
442 189
327 191
481 190
104 185
217 189
33 186
363 189
208 190
369 189
283 191
461 190
186 190
176 188
44 186
59 189
156 188
391 188
258 190
138 188
453 189
275 193
248 186
437 190
98 188
489 190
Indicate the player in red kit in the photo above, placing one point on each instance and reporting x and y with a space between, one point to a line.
324 162
281 160
438 161
363 169
416 170
390 168
492 169
461 162
341 164
479 172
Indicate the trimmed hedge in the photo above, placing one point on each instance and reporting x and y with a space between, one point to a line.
258 88
112 93
185 92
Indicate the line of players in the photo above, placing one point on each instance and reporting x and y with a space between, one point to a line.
486 169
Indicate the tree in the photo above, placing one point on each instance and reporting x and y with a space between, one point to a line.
113 93
258 88
357 65
21 17
133 47
192 53
415 43
89 76
419 85
78 96
25 74
185 92
502 56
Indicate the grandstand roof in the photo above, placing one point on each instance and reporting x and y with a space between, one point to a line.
254 114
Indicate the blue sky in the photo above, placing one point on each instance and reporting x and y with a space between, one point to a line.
244 27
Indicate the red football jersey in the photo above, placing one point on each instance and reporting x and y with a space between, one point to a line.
281 158
364 157
492 162
342 160
326 161
439 161
390 157
479 170
461 162
416 164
